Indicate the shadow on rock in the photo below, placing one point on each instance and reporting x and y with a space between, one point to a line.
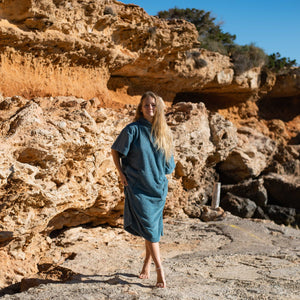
112 280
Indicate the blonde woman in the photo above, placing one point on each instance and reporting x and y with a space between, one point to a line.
143 154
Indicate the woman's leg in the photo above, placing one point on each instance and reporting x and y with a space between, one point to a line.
145 273
155 253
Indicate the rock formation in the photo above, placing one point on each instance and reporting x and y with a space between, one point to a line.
56 170
106 46
71 74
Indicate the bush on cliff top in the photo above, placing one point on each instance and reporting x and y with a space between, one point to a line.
277 63
246 57
213 38
211 35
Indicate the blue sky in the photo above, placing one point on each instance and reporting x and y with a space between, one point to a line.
273 25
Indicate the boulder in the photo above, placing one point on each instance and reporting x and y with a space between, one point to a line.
283 189
252 189
260 214
224 137
286 161
201 141
210 214
281 215
238 206
191 133
252 155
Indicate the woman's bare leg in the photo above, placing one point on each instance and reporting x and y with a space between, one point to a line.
145 273
155 253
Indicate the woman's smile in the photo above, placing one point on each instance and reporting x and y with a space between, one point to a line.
149 108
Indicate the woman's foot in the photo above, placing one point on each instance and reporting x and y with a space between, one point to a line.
145 273
161 281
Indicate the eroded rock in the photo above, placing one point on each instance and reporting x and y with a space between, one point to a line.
252 189
252 155
284 189
239 206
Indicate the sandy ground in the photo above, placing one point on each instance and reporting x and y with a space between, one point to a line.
229 259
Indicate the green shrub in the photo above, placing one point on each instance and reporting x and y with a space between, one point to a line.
210 34
277 63
215 46
247 57
214 39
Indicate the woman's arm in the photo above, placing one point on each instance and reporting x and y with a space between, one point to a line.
116 159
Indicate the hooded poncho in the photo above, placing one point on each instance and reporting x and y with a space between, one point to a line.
145 168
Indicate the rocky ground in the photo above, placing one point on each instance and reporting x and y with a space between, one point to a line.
229 259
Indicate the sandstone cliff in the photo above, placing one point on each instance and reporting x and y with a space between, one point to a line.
115 52
56 172
71 74
105 45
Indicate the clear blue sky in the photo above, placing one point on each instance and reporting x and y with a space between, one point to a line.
273 25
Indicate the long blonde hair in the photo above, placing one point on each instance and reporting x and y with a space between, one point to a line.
160 130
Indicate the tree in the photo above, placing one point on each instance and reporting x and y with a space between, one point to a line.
213 38
277 63
210 34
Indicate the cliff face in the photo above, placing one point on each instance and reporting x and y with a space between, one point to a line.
50 45
115 52
56 172
67 69
103 46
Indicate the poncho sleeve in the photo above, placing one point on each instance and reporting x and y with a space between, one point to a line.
170 165
123 142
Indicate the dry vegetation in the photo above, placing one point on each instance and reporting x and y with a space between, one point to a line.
35 77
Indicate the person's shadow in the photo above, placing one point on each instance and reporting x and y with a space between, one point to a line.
113 279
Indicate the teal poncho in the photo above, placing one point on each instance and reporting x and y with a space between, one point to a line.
144 167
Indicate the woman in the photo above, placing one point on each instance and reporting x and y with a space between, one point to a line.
143 154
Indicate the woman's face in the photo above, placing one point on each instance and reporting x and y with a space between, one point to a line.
149 108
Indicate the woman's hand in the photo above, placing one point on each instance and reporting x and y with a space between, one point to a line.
116 159
123 179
